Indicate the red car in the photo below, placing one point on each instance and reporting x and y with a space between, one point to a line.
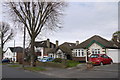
100 59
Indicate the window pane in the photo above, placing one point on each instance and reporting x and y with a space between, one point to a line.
79 53
76 53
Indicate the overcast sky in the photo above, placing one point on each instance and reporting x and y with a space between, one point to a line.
81 21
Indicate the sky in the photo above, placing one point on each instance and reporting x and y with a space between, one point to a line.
81 21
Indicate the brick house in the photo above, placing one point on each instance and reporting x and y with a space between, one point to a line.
62 51
42 47
95 45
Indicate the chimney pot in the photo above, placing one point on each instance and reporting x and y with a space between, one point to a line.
57 43
48 43
77 42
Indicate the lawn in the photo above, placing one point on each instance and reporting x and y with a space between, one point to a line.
59 63
14 65
34 68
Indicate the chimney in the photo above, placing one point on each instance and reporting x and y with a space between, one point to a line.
77 42
56 43
48 43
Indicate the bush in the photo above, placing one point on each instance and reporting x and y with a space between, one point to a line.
71 63
57 60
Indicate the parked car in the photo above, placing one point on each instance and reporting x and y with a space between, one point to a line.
100 59
47 59
5 61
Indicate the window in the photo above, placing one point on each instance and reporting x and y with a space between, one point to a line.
95 51
82 52
79 53
76 53
92 51
94 56
98 51
104 56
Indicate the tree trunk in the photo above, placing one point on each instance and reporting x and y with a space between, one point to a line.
33 64
1 45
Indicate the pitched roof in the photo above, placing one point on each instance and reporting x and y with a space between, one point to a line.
117 44
103 42
44 44
65 47
16 49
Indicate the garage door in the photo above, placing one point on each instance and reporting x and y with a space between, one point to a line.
114 54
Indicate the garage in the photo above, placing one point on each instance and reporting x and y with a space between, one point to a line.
114 54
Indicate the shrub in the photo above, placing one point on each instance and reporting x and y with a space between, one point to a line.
71 63
58 60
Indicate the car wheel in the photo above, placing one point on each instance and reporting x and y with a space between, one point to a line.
101 63
111 62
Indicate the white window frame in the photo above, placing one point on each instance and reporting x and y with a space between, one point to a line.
79 53
95 51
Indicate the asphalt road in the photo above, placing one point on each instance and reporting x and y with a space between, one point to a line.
9 72
106 71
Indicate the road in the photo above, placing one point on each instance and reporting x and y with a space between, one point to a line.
9 72
106 71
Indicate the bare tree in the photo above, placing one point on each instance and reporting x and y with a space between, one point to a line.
6 34
36 16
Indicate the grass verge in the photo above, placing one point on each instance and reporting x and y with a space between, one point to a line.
34 68
14 65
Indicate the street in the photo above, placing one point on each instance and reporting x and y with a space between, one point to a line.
106 71
9 72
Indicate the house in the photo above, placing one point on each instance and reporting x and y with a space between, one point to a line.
95 45
13 53
42 47
63 51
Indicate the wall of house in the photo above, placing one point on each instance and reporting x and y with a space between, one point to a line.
79 54
114 54
10 55
58 54
39 49
96 46
19 57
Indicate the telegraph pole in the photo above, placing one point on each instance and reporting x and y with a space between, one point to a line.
24 45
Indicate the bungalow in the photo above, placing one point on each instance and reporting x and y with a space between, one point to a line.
13 53
63 51
95 45
42 47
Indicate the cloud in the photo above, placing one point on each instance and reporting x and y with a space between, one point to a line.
85 19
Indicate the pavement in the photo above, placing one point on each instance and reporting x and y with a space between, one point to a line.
105 71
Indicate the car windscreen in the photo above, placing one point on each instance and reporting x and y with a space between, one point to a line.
44 58
94 56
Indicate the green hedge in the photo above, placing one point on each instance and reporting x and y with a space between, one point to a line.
71 63
57 60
